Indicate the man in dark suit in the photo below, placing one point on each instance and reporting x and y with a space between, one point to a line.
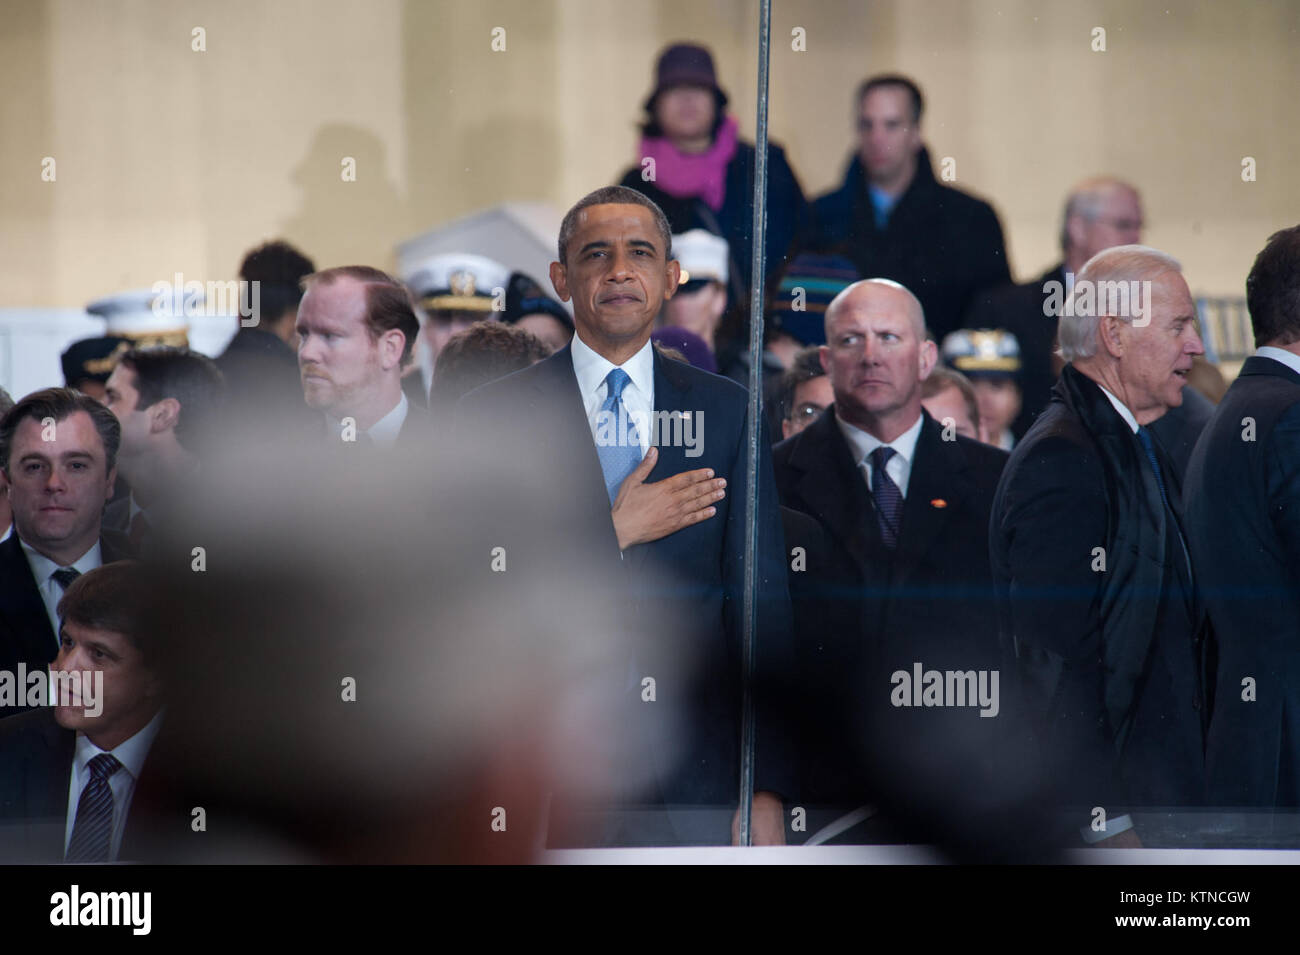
1095 584
356 330
166 400
1243 527
903 504
603 412
259 365
69 772
58 449
895 220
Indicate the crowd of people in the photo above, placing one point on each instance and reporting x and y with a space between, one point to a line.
1026 566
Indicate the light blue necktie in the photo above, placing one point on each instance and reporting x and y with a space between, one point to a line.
620 456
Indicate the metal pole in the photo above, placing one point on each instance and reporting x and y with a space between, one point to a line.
755 432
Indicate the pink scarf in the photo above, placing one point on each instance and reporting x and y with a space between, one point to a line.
701 174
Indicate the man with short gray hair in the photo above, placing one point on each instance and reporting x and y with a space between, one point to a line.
1095 583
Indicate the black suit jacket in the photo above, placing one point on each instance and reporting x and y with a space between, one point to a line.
36 757
1243 525
688 586
943 244
868 613
25 633
1081 548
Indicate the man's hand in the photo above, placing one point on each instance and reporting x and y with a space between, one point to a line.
646 512
1128 839
766 821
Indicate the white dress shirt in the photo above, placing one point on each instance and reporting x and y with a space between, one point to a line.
130 753
898 467
638 397
43 571
384 432
1288 358
1122 408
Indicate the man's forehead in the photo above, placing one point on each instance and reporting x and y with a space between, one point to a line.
876 305
340 300
110 638
887 99
76 432
610 220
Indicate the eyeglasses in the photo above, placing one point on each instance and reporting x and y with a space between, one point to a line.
806 411
1124 225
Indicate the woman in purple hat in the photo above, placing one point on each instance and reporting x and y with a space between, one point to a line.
702 174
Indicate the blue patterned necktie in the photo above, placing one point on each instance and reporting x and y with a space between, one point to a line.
889 499
92 832
619 457
1144 436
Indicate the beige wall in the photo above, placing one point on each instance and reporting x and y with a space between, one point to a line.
169 160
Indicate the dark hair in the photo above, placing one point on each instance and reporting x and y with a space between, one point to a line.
893 79
806 366
194 380
115 597
481 353
650 126
941 378
1273 290
618 196
279 269
59 404
388 302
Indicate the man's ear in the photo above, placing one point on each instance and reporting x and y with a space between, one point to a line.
824 356
112 481
674 277
929 357
164 415
391 345
560 279
1111 334
1074 227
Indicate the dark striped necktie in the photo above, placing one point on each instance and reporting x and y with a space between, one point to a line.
92 833
889 499
65 576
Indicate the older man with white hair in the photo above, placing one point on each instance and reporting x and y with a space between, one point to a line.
1095 585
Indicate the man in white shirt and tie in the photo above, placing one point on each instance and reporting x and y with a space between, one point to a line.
70 771
58 449
356 329
904 504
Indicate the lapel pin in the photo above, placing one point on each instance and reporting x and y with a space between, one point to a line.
939 503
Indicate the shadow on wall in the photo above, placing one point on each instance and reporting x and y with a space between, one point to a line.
350 212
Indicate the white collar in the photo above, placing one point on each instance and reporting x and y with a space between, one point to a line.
1288 358
130 752
43 568
384 431
861 443
592 368
1122 408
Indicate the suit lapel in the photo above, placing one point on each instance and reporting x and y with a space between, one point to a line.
21 605
672 389
558 401
834 489
936 488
